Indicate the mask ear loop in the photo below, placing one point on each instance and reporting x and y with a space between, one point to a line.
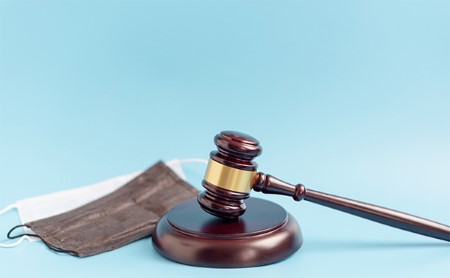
51 247
22 237
26 236
176 165
193 160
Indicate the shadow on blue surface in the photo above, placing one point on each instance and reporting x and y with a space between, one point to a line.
328 245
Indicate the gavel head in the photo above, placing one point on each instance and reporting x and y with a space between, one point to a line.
230 175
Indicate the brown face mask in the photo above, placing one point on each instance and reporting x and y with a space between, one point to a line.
123 216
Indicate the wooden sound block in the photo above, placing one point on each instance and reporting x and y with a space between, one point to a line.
265 234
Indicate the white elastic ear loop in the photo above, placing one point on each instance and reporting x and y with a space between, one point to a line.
175 164
193 160
8 208
22 238
12 206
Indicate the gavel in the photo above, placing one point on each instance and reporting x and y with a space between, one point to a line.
231 175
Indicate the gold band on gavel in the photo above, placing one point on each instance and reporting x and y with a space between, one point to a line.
228 177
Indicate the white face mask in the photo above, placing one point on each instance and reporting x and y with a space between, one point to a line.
40 207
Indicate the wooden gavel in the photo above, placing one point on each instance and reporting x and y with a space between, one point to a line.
231 175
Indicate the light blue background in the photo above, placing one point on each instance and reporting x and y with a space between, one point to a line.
347 97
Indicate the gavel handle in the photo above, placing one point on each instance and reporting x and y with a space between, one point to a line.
271 185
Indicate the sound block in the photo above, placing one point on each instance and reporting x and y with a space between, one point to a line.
265 234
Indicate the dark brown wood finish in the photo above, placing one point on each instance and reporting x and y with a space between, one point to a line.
270 185
265 234
237 150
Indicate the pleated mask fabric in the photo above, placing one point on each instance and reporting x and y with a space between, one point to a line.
121 217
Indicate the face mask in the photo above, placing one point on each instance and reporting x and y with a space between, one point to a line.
104 216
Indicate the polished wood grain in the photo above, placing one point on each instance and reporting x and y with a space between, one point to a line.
271 185
265 234
238 150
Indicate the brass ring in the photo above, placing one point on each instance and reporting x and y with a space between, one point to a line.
228 177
